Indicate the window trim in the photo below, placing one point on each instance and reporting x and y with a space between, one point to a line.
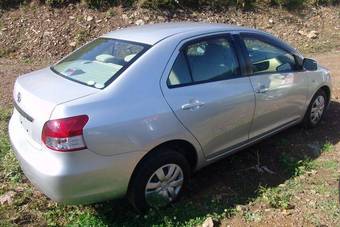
231 41
146 47
273 42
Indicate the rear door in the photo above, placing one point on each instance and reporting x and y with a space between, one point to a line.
279 83
204 87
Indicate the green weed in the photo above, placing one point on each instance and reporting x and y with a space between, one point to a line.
328 164
277 197
327 147
82 36
295 166
252 216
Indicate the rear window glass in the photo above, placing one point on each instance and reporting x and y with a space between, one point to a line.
98 63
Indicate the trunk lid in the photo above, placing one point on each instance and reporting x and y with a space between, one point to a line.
37 93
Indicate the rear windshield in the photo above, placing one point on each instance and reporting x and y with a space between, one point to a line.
98 63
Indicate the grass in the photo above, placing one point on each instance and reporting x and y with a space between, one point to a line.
9 168
327 147
29 206
326 203
278 197
296 166
110 12
331 207
107 214
324 189
171 4
328 164
5 52
252 216
82 36
27 61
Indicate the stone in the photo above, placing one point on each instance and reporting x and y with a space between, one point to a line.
89 18
313 34
125 17
301 32
208 222
7 198
139 22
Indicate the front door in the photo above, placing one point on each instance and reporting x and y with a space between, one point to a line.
279 85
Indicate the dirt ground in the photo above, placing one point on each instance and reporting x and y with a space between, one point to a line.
290 179
34 33
11 68
314 195
331 61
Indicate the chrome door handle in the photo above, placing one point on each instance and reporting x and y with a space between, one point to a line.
262 90
192 105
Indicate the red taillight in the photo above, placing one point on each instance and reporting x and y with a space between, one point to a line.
65 134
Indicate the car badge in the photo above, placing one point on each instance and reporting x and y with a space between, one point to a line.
19 97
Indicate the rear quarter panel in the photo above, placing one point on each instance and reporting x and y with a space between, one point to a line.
131 114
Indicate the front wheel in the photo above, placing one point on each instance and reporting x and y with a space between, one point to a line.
159 180
316 109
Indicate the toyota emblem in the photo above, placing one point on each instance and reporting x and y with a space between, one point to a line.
19 97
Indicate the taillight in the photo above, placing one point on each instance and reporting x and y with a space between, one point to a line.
65 134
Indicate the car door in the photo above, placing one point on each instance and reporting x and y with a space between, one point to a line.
205 89
279 84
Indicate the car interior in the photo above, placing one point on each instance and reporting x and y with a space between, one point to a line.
267 58
206 61
96 63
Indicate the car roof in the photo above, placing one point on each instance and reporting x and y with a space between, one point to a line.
153 33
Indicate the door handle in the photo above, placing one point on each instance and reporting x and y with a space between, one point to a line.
192 105
262 90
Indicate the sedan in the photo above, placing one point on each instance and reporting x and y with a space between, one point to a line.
138 110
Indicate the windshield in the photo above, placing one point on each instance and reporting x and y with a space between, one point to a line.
98 63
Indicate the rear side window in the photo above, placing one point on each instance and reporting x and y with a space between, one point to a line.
266 58
99 62
180 73
204 61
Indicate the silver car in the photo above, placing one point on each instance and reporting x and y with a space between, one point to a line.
138 110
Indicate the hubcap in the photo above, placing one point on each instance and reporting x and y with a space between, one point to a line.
164 185
317 109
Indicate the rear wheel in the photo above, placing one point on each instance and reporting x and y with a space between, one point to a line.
159 180
316 109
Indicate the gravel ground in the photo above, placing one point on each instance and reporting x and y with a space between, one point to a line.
32 37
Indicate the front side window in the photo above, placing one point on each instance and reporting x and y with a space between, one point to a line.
100 61
210 60
266 58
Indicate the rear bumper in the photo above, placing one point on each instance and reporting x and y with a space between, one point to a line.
73 177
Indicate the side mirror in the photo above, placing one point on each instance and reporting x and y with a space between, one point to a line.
310 64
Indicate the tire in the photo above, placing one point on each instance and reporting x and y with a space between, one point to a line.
163 160
310 120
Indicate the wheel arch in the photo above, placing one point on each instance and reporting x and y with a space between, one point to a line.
182 146
327 90
324 88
